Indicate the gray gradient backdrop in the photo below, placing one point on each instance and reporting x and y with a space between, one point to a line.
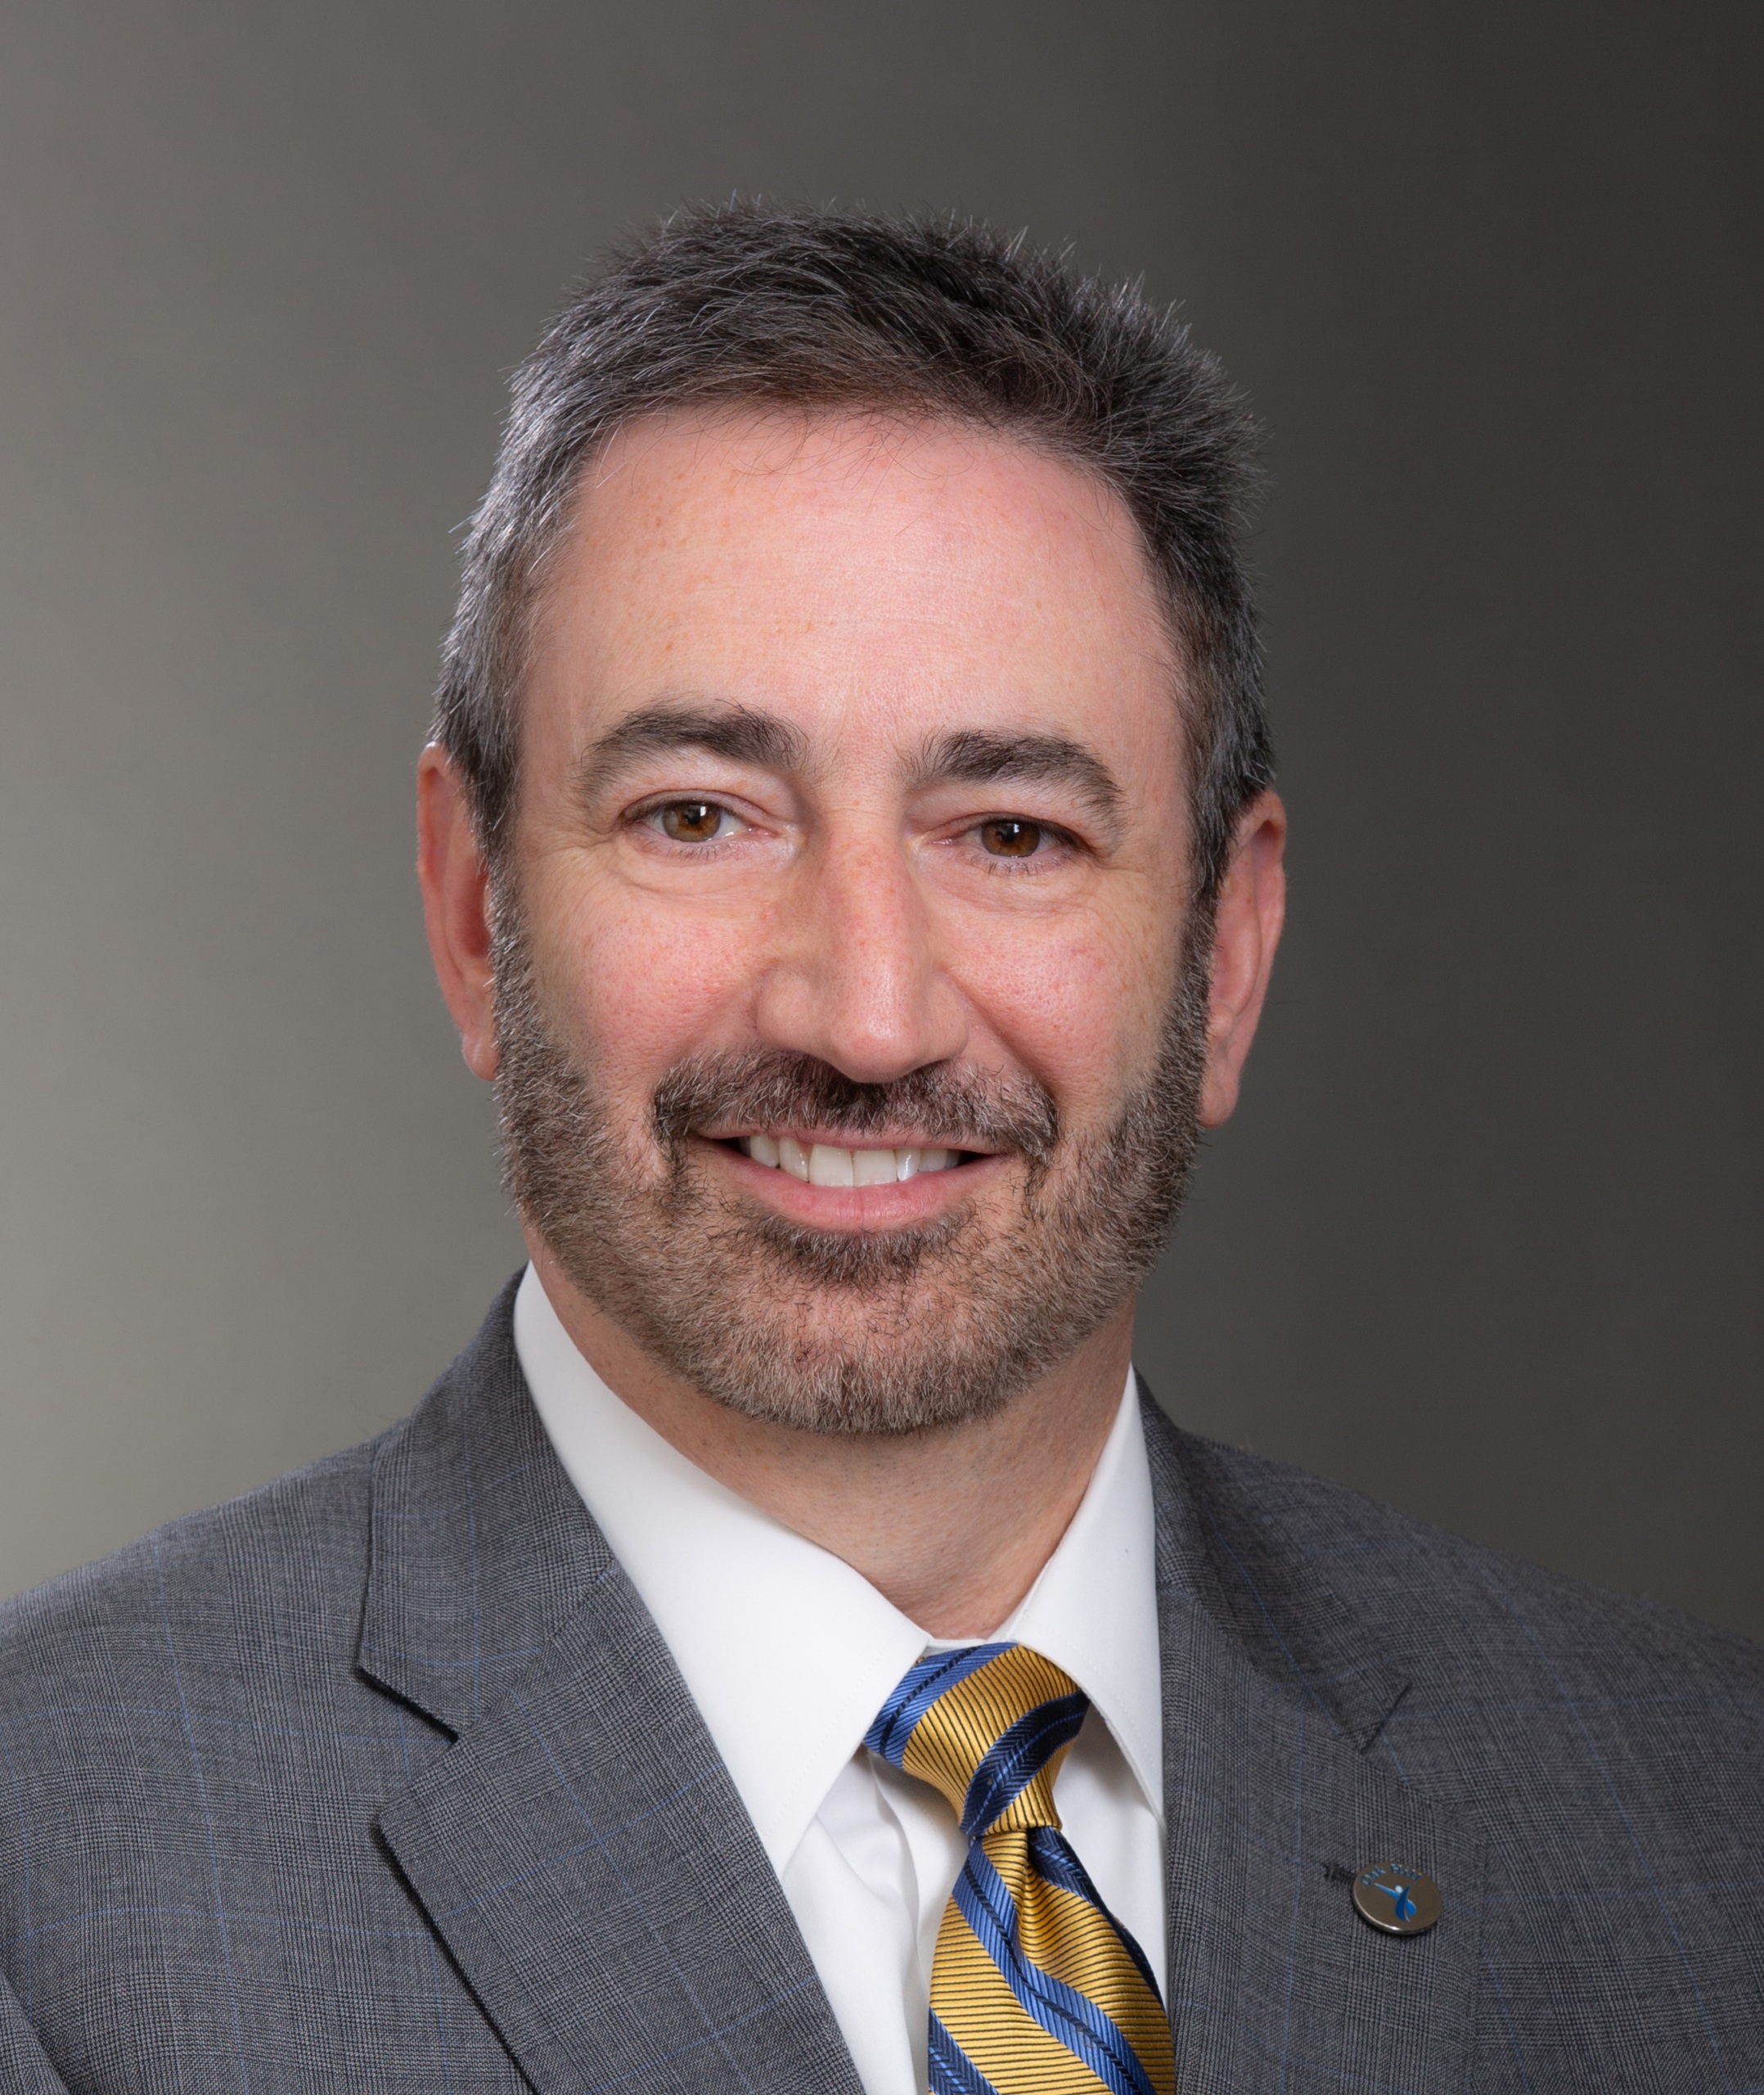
1485 1238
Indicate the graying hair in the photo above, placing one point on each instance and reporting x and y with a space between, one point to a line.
937 316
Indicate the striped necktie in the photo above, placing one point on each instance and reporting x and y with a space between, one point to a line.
1036 1987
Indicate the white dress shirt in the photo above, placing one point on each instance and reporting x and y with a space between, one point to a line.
790 1653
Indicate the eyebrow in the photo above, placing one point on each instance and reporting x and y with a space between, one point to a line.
977 758
738 733
743 734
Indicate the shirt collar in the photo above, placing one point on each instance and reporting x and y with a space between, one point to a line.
788 1651
1094 1609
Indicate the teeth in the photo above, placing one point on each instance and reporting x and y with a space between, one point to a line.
793 1157
827 1164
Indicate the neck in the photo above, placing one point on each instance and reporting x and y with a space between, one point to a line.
952 1525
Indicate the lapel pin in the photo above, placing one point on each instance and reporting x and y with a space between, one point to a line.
1396 1900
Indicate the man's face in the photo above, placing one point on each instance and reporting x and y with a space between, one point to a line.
843 1055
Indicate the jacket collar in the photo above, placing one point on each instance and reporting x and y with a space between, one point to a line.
1227 1547
481 1550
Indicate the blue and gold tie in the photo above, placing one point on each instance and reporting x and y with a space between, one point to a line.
1036 1987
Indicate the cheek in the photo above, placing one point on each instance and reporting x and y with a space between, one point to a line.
645 987
1082 1011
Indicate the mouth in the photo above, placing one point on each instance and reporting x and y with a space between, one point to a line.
850 1185
836 1164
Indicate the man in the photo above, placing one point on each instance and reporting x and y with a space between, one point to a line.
786 1651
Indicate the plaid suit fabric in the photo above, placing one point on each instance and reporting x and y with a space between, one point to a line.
381 1781
316 1792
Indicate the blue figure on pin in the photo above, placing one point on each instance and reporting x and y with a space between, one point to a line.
1398 1900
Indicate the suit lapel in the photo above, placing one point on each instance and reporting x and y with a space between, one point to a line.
580 1846
1272 1804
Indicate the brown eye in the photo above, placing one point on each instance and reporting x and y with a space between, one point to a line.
1005 837
692 822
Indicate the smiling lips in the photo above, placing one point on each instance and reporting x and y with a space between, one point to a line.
824 1164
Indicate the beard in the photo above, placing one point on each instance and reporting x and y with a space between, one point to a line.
841 1332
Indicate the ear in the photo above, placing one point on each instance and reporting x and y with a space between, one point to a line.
1251 908
455 886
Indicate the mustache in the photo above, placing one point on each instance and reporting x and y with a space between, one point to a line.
951 1107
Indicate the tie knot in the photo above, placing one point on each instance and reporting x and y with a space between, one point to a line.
988 1725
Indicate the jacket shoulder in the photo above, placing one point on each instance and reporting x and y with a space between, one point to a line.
1445 1610
271 1578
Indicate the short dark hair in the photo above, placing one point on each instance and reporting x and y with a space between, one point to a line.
924 316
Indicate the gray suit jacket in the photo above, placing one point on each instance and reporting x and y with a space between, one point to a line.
382 1781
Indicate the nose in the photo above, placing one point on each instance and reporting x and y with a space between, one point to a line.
857 980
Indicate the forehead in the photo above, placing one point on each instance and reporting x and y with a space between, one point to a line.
857 573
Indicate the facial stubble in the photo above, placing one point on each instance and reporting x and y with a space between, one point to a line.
884 1331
